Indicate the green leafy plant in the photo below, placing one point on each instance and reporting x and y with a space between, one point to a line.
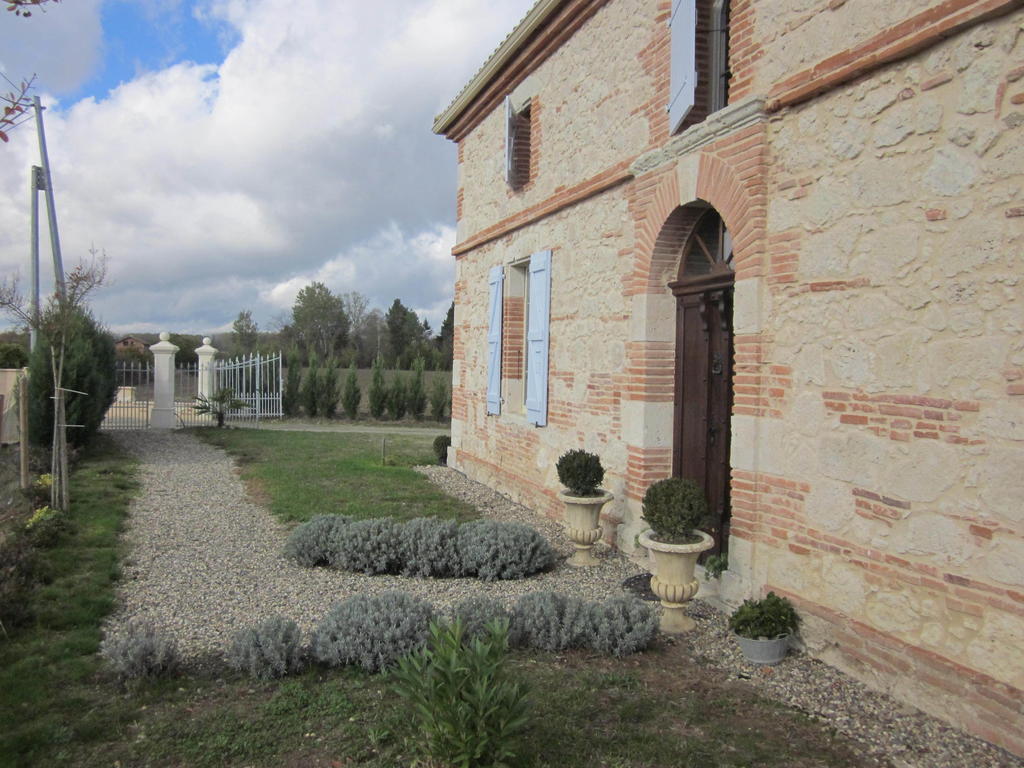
767 618
441 445
674 508
469 709
13 356
715 566
580 472
218 405
351 395
440 398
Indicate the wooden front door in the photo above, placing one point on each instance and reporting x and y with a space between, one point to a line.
704 358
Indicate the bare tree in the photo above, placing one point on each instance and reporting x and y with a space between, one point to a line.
55 324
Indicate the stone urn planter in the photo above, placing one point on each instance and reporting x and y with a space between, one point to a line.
581 473
672 577
583 524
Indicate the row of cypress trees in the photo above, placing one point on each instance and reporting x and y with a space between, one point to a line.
318 392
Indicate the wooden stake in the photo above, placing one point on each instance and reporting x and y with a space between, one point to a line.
23 428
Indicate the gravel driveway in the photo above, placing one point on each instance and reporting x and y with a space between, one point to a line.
205 561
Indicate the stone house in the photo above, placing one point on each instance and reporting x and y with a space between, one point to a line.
775 246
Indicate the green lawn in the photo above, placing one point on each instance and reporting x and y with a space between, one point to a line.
58 707
303 474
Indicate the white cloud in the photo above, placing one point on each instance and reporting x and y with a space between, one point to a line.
305 155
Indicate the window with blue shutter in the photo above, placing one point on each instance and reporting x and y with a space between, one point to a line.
683 32
537 333
495 281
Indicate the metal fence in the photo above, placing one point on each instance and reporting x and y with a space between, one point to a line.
257 380
134 399
186 389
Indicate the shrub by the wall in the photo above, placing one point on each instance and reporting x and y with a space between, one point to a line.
140 651
367 546
311 543
372 631
268 650
429 547
494 550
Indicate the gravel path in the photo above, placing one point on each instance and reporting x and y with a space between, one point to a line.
205 561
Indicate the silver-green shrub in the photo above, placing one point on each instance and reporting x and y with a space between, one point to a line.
268 650
492 550
310 543
622 625
367 546
140 651
476 612
550 622
430 547
373 631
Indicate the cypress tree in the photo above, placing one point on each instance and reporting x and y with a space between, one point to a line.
439 398
352 395
417 395
327 390
310 388
378 391
397 397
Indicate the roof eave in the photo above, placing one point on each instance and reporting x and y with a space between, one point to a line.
501 56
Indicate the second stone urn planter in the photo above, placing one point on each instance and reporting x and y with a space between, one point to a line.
583 524
673 579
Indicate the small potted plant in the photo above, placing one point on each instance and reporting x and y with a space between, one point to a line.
581 473
674 508
763 628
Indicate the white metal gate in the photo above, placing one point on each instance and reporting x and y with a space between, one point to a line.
257 380
134 399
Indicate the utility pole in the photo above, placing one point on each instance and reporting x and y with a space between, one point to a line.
38 183
51 208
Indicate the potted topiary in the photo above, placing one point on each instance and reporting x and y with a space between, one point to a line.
581 473
763 628
674 508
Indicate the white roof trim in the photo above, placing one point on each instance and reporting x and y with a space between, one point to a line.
530 23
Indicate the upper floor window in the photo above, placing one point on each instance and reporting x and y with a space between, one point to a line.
699 77
517 144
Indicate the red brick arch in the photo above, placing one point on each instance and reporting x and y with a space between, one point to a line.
730 179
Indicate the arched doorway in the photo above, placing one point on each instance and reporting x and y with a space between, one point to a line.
704 357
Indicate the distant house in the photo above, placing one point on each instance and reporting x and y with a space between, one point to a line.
773 246
130 343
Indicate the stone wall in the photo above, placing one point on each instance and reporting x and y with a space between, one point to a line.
590 107
888 485
878 420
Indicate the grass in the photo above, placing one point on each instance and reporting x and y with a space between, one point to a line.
303 474
58 706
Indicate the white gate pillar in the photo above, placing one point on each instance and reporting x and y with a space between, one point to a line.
163 416
206 355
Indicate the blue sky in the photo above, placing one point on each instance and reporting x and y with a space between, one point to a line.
142 37
225 153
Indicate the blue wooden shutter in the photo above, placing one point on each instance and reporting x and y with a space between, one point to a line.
537 333
683 31
495 281
510 140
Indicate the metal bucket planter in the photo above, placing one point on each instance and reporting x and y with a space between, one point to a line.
764 651
583 524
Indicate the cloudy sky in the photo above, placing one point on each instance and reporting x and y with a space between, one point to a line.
225 153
